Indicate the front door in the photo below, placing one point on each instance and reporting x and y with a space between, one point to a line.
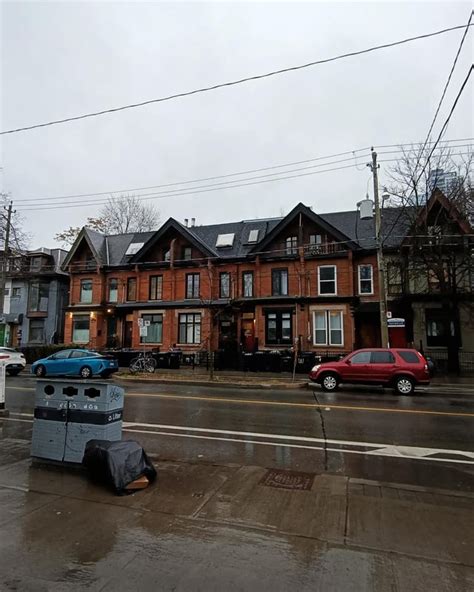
127 334
112 332
248 336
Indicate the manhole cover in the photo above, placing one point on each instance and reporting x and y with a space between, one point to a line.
288 480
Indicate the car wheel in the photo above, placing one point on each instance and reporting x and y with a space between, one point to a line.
330 382
13 372
404 385
40 371
85 372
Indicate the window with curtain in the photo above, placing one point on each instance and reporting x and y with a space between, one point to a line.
113 290
189 328
154 328
247 284
224 285
155 291
280 282
192 285
328 327
131 289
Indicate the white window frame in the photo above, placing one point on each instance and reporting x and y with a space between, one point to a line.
327 328
327 281
371 293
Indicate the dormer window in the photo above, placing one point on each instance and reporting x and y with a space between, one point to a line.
225 240
36 263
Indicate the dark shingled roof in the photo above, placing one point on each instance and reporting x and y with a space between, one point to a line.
117 245
395 225
241 231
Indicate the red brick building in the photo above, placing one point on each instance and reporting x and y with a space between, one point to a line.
253 284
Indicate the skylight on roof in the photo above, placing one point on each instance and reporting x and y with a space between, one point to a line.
134 248
253 235
225 240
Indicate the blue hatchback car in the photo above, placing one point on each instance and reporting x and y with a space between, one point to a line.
75 362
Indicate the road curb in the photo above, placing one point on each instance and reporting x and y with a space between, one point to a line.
215 383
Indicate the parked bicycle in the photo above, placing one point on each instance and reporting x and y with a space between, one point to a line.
144 362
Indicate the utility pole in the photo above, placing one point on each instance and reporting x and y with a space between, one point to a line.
6 247
380 258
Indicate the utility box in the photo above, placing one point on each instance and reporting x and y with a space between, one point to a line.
69 413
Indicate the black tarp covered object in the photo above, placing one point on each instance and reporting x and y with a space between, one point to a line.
116 464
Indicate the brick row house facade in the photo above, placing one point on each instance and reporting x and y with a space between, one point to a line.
305 278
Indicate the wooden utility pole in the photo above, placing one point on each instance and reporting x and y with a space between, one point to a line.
380 258
6 248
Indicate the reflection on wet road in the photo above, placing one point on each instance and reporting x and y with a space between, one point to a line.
425 439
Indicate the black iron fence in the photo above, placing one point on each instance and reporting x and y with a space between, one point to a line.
440 359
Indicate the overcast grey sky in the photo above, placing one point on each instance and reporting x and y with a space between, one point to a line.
61 59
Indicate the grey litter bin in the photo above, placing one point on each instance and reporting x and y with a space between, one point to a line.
69 413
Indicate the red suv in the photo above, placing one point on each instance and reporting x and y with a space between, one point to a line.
400 369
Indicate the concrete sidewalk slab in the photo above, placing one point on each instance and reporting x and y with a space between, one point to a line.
209 527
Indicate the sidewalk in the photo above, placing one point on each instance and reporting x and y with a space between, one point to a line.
209 527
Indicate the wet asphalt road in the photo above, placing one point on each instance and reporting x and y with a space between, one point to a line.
424 440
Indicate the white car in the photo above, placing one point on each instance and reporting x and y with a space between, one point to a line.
15 362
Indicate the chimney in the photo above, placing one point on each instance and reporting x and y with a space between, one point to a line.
186 222
193 221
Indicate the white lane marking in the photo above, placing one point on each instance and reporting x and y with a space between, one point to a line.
412 452
263 443
404 450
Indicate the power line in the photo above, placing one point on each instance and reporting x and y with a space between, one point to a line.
202 179
204 188
446 123
154 196
35 200
232 83
193 191
446 86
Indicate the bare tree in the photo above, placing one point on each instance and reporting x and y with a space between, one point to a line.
19 239
120 215
127 213
436 255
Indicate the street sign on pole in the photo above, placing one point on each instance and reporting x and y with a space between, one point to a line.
140 322
143 331
147 323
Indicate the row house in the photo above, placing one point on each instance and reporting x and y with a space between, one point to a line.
35 298
305 279
430 277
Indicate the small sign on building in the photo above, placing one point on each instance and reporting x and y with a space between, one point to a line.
396 322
